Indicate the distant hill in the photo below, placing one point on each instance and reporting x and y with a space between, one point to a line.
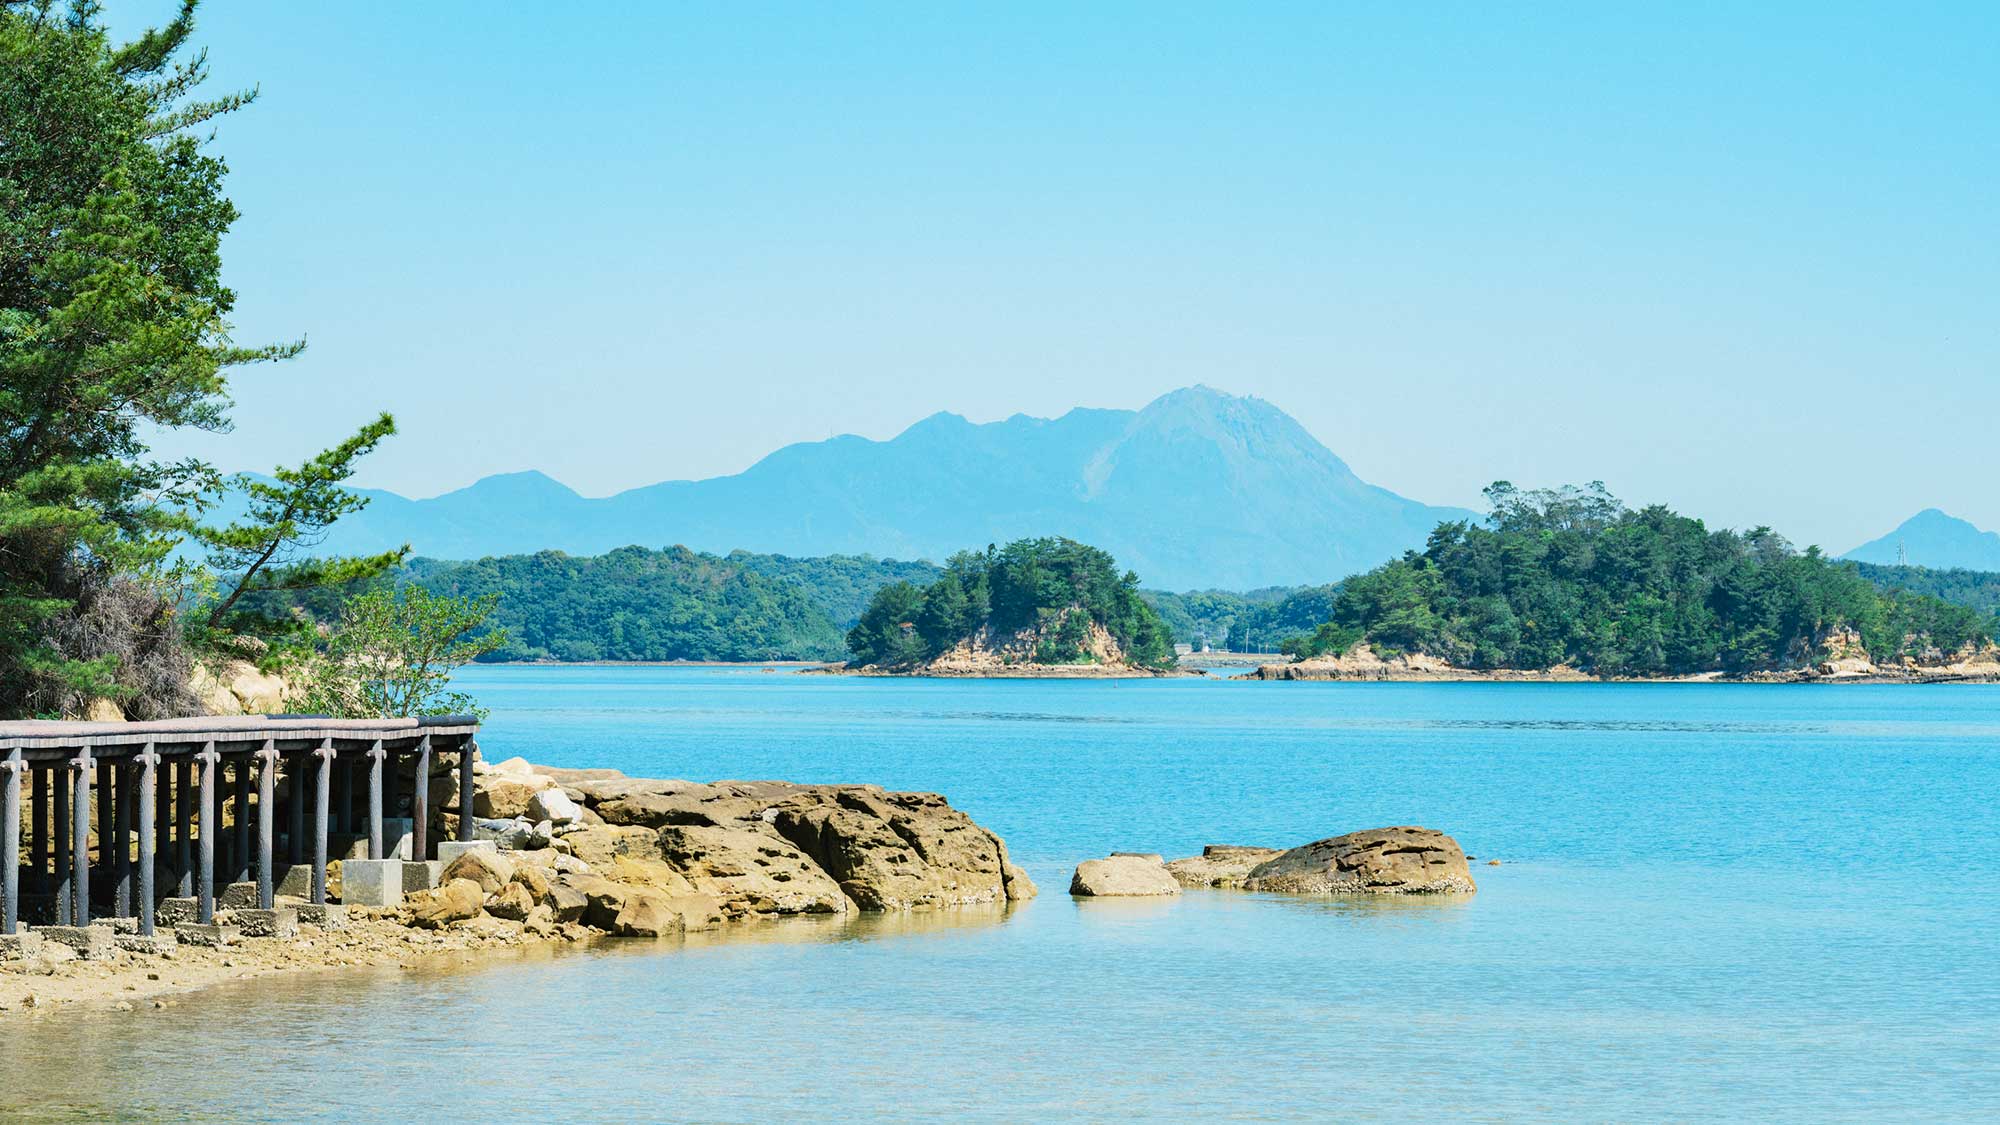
1200 489
1935 541
1978 589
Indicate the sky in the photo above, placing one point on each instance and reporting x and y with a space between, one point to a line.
1736 258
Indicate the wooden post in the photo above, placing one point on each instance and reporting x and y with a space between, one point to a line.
106 808
163 808
121 845
420 803
184 829
38 833
325 755
240 868
204 888
338 813
295 797
79 886
64 806
10 841
466 758
147 841
267 781
375 756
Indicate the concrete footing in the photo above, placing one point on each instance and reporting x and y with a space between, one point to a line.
20 946
449 850
238 896
278 922
92 943
159 942
326 917
423 876
173 911
215 934
396 834
371 882
297 881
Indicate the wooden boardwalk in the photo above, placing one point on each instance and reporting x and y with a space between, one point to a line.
158 788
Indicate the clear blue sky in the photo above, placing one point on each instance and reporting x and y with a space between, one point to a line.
1743 261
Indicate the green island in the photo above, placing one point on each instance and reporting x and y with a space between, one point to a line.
1572 579
1033 604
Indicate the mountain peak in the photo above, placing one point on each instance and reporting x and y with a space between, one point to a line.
1933 538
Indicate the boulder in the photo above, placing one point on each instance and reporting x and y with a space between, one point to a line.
1219 865
597 846
645 914
750 869
895 851
566 903
554 806
489 871
1122 876
602 900
1401 860
456 901
512 903
541 922
535 881
652 874
502 796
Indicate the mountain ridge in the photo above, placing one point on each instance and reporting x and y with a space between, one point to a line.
1934 540
1198 488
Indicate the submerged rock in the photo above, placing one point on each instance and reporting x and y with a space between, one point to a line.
1121 876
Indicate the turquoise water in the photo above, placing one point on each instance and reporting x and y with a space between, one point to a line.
1717 903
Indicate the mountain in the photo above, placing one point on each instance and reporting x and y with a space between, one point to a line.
1198 489
1936 541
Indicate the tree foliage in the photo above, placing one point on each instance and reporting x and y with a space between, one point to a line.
1054 589
113 322
1572 577
392 653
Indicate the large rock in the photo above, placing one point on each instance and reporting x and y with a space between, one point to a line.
1122 875
454 902
896 851
646 914
489 871
504 796
554 806
1219 865
750 869
599 845
1402 860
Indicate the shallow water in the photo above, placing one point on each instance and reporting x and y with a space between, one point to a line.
1718 902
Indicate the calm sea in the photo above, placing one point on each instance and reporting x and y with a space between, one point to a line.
1716 903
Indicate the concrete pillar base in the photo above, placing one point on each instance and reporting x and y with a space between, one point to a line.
173 911
21 946
449 850
323 915
92 943
371 882
422 876
238 896
213 934
296 882
278 922
159 942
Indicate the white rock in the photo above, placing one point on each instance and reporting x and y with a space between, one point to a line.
554 806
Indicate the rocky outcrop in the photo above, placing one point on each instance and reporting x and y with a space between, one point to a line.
1219 865
236 687
1362 662
1402 860
1122 876
988 654
630 853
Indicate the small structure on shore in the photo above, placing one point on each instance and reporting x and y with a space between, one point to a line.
161 789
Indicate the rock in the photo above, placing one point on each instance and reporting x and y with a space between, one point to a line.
750 869
456 901
102 710
566 903
1402 860
895 851
645 914
513 903
541 922
535 881
554 805
603 900
1019 887
490 871
1492 863
596 846
1219 865
1121 876
505 796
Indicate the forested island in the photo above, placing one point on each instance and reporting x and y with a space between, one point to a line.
1033 605
1570 579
